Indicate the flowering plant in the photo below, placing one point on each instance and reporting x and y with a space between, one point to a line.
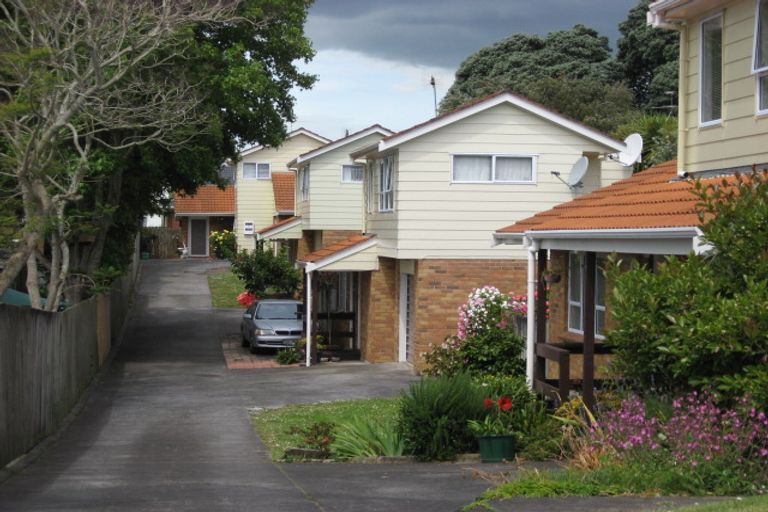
498 421
484 309
247 299
223 243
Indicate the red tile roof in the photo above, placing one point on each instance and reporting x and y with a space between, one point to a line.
207 199
653 198
329 251
277 224
283 185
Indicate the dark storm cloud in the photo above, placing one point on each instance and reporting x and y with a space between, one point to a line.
444 33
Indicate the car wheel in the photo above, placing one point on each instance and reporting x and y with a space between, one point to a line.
245 342
254 349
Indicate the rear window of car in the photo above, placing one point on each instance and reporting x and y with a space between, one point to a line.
279 311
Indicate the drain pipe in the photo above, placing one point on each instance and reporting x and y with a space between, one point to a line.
530 341
308 313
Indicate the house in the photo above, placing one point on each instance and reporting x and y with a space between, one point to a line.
329 209
723 129
432 193
209 209
264 183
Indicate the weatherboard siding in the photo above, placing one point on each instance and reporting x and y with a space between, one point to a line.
255 198
742 137
435 218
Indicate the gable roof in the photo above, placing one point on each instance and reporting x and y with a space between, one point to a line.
283 186
294 133
491 101
338 251
338 143
279 227
209 199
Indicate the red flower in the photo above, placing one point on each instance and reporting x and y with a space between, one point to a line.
488 403
505 403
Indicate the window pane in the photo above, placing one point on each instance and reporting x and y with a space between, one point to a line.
761 43
599 286
599 322
250 171
711 69
574 277
263 171
574 317
514 169
352 173
472 168
762 87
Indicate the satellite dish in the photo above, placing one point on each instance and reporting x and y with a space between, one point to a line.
578 170
631 155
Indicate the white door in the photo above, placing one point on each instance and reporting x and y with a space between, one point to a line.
406 318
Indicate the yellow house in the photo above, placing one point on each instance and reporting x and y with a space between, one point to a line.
433 192
254 194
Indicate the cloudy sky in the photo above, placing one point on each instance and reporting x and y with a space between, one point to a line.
375 58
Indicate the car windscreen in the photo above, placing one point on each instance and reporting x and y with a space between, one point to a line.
279 311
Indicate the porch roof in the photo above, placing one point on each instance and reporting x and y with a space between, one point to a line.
286 229
355 254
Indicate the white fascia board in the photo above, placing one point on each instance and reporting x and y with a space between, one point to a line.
538 110
508 238
300 131
364 151
318 265
663 241
635 233
279 229
338 144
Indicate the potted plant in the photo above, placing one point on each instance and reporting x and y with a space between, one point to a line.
317 347
495 433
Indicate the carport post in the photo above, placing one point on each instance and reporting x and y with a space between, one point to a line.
308 313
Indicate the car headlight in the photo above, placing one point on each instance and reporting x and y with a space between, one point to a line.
265 332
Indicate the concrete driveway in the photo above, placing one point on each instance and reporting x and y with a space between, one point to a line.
167 428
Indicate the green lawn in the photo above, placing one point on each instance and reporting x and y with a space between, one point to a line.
751 504
225 288
274 425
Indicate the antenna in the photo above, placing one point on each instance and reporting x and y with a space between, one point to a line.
434 91
576 174
632 154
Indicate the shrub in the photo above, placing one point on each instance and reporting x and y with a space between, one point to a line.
223 243
367 437
288 356
434 413
263 272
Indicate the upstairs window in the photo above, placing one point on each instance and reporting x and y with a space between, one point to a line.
351 173
304 183
386 184
493 169
711 71
256 171
760 62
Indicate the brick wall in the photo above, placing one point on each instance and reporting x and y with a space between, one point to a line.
441 286
214 224
305 244
331 237
379 313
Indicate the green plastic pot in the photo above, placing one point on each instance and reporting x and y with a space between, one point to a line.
497 448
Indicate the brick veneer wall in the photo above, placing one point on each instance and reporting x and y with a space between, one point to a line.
441 286
331 237
379 313
305 244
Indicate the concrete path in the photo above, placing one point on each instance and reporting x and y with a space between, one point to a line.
167 428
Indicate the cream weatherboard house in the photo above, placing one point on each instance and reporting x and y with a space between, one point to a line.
432 194
261 171
723 128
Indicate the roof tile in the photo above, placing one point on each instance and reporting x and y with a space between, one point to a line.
283 184
207 199
326 252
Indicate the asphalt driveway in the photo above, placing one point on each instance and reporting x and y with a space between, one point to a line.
166 428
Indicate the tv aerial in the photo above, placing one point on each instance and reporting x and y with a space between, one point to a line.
576 174
633 152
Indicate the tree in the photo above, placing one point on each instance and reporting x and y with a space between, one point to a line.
518 62
659 133
648 57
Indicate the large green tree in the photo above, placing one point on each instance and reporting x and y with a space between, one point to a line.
648 57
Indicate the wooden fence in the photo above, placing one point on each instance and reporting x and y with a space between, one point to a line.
48 359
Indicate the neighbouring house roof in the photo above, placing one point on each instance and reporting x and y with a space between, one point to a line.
283 186
289 228
491 101
209 199
294 133
356 253
349 139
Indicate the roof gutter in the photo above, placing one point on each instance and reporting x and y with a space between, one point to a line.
602 234
657 14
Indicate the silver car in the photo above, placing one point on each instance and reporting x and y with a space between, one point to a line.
272 323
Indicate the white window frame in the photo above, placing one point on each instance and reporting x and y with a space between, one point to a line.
257 165
534 164
357 166
303 183
386 195
764 69
718 121
760 111
580 302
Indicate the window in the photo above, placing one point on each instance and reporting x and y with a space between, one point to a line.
760 62
711 65
762 93
256 171
304 183
386 181
576 278
493 169
351 173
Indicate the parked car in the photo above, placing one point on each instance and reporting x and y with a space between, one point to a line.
272 323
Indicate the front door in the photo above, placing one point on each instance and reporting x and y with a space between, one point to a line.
198 232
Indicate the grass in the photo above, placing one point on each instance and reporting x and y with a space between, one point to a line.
752 504
274 425
225 288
